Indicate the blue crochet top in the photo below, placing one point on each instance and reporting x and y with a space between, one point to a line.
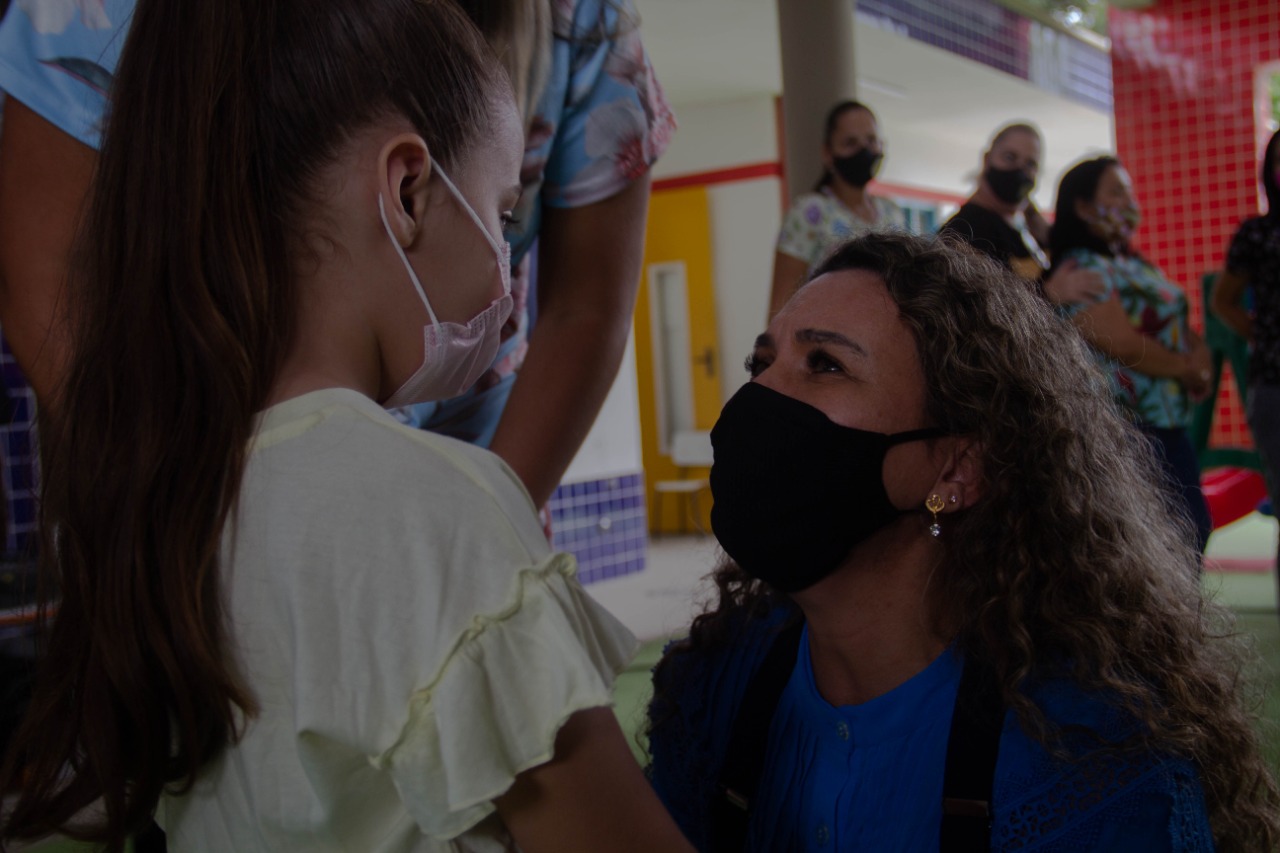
869 776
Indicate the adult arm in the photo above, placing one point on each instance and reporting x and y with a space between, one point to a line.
1227 302
588 272
788 274
44 182
591 796
1107 328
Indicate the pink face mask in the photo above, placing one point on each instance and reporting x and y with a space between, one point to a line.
455 355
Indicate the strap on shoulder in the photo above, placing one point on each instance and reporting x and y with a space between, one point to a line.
744 755
972 749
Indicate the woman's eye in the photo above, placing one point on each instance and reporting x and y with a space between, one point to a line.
820 362
509 219
755 365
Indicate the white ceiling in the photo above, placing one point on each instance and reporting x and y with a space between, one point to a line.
936 109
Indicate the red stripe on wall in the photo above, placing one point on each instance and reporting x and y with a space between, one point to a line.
720 176
903 191
753 171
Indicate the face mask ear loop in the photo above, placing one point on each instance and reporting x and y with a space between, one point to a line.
413 276
466 206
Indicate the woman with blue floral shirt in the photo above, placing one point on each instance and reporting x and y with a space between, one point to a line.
1137 326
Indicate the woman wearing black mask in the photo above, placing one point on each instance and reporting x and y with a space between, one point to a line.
839 206
1001 221
951 589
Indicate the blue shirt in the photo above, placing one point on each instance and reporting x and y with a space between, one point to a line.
869 776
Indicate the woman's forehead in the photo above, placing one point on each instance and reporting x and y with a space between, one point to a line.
852 303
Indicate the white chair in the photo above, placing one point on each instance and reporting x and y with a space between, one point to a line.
689 449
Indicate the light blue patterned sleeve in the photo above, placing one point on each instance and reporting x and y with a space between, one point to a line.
58 57
616 122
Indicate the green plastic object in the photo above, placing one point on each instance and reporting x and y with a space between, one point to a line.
1224 346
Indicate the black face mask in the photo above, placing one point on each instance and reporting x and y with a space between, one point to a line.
858 168
1011 186
795 492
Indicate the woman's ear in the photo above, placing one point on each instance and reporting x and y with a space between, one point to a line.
961 480
404 169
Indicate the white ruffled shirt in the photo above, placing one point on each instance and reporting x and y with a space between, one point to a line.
410 639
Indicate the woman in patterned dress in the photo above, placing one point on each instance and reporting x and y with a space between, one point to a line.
1137 326
839 206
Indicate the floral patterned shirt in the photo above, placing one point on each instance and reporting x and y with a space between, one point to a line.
600 123
1158 310
818 221
57 57
1255 256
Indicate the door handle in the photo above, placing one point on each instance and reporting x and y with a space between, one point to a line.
708 361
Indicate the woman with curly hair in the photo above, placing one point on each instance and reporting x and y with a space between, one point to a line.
955 612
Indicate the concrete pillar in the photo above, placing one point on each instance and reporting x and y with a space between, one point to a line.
817 71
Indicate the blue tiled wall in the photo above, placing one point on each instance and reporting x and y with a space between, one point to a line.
987 32
602 523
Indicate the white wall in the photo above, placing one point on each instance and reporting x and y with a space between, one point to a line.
745 218
745 215
612 448
720 135
710 137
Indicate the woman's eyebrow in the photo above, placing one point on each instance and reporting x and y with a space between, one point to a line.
824 336
764 341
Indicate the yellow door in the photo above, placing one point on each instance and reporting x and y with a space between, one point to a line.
677 353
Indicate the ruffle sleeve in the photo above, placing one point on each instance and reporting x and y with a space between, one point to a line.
499 698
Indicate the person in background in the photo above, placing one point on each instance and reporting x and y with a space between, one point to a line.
285 621
595 121
1253 262
839 207
954 613
1000 220
1138 326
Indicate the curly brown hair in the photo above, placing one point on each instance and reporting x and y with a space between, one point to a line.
1071 565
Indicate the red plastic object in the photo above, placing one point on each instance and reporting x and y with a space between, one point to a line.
1232 493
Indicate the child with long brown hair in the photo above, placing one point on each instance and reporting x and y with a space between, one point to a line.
284 621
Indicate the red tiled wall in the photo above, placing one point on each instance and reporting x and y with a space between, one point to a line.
1184 72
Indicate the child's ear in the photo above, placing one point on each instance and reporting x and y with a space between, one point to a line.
404 170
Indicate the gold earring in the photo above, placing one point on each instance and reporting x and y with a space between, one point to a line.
935 504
